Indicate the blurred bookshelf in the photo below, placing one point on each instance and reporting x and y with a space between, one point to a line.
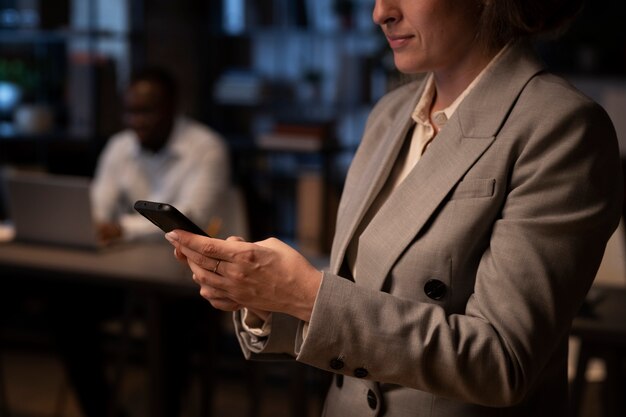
61 69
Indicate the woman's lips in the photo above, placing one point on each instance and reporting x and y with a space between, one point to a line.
398 41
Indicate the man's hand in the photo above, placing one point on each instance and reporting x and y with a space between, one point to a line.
108 232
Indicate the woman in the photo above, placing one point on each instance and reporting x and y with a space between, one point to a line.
472 222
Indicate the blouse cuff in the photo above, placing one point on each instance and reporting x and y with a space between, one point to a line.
255 325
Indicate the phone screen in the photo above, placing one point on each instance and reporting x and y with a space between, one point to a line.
167 217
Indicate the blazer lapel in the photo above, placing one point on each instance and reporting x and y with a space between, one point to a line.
409 207
376 174
466 136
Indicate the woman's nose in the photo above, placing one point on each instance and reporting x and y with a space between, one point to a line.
385 12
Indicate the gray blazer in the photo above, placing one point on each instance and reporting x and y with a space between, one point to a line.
471 272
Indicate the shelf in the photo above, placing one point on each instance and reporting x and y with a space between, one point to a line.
10 135
60 35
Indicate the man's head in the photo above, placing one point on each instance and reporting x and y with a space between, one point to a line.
150 107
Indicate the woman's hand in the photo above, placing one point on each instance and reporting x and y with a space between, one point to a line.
206 291
266 276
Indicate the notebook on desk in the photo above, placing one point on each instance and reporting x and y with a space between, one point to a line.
51 209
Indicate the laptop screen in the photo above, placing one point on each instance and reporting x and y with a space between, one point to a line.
51 209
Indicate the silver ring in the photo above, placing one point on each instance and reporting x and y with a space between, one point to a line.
216 265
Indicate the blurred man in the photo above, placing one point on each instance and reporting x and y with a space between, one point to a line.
161 156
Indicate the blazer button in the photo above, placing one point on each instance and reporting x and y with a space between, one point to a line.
336 364
372 401
435 289
360 372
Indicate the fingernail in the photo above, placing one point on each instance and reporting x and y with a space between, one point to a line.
171 236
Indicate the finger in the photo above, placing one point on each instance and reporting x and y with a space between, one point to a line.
225 305
218 268
235 239
205 277
184 251
215 268
206 246
195 242
179 256
218 299
210 292
210 264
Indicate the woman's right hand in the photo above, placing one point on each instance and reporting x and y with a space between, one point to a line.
212 295
264 276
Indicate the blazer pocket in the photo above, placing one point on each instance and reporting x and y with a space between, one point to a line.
474 188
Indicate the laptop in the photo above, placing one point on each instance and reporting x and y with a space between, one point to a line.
51 209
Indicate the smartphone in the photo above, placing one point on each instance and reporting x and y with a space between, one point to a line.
167 217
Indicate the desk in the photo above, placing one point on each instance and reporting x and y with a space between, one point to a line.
147 268
148 265
601 328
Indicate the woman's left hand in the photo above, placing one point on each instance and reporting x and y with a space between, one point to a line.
265 276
